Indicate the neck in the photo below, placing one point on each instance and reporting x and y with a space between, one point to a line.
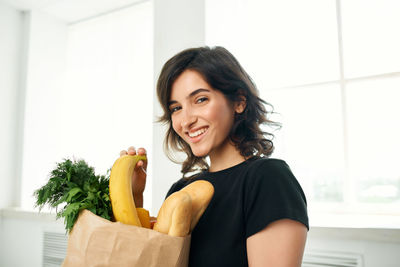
225 158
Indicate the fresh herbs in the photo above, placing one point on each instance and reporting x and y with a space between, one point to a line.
76 185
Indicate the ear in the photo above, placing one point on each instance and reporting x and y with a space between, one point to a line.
241 104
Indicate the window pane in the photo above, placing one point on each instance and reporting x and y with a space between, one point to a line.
370 37
374 144
105 104
280 43
311 139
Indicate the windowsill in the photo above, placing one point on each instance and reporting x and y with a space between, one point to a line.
317 218
25 214
378 228
350 226
354 221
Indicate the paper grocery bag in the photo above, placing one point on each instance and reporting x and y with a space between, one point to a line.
95 241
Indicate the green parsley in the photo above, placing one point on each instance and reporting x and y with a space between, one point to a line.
74 186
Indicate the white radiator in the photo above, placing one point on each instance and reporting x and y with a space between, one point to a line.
54 248
332 259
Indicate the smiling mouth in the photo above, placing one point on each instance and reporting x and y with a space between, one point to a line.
198 132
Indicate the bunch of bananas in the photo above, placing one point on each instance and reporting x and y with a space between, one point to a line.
177 216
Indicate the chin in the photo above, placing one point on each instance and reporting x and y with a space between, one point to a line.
200 153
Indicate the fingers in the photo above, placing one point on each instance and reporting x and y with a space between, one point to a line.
132 151
141 151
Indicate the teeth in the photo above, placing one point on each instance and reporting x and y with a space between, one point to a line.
198 132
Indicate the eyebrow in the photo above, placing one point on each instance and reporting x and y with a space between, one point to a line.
195 92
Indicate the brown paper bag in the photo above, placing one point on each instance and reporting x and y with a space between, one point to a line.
95 241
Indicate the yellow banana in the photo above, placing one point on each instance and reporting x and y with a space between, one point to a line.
122 202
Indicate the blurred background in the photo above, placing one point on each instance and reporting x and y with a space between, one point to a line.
77 80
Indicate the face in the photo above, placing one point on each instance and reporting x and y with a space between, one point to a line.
200 115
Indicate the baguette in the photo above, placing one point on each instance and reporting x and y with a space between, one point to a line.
174 216
201 192
182 210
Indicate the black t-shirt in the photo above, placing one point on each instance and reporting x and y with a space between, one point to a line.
247 197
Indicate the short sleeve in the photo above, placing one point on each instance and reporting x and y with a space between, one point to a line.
271 193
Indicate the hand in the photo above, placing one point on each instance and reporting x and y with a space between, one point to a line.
139 175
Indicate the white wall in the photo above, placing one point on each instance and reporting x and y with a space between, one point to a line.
46 55
32 52
10 42
178 24
11 27
31 59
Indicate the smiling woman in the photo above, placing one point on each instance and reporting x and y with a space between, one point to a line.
212 78
213 111
203 117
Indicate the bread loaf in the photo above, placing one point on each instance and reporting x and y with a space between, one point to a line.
174 216
201 192
182 210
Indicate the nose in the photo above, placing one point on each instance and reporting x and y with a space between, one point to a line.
188 119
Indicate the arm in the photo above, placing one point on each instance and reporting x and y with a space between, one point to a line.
280 244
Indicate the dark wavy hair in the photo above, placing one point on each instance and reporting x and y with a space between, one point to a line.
222 72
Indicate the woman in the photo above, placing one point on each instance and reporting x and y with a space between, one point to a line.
258 214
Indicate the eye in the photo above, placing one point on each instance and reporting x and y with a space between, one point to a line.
174 109
201 99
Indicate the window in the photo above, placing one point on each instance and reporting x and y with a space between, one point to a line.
332 71
104 100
